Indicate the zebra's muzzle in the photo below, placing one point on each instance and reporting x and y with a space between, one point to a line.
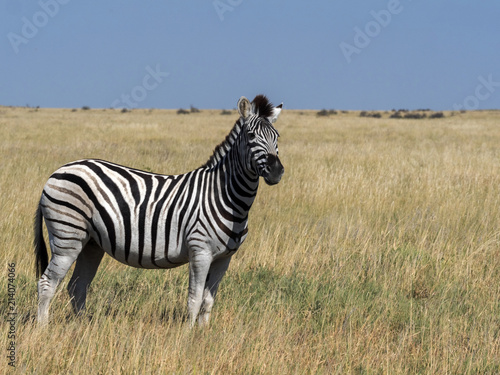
275 168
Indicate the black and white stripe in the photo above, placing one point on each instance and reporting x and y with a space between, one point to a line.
150 220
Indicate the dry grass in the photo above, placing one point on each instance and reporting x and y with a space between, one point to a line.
377 253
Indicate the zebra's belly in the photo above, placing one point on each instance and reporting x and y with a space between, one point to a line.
144 253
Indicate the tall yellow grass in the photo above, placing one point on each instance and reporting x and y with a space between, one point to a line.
377 253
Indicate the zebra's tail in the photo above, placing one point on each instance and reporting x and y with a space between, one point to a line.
42 258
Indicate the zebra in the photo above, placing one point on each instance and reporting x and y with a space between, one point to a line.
147 220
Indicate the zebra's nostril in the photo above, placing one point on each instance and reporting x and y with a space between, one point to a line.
271 159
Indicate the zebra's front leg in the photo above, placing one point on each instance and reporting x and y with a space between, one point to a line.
199 264
214 277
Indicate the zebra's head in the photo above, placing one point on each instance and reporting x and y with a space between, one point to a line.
257 120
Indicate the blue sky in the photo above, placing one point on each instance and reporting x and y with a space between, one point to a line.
320 54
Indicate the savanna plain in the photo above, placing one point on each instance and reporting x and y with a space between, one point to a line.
377 253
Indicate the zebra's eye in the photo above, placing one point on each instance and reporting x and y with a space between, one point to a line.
251 136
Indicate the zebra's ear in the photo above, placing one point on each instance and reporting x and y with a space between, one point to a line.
244 107
276 113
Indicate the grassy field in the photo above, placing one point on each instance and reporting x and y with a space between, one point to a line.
379 251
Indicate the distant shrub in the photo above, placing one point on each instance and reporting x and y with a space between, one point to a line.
396 114
194 110
437 115
325 112
85 108
225 112
74 110
124 110
415 115
182 111
370 114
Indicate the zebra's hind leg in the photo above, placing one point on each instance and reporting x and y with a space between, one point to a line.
85 269
63 256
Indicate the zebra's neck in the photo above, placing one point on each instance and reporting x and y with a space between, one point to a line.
224 147
228 166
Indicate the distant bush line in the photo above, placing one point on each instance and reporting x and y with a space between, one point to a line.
397 114
370 114
182 111
419 114
325 112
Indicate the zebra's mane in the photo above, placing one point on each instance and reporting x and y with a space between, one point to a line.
224 146
262 107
